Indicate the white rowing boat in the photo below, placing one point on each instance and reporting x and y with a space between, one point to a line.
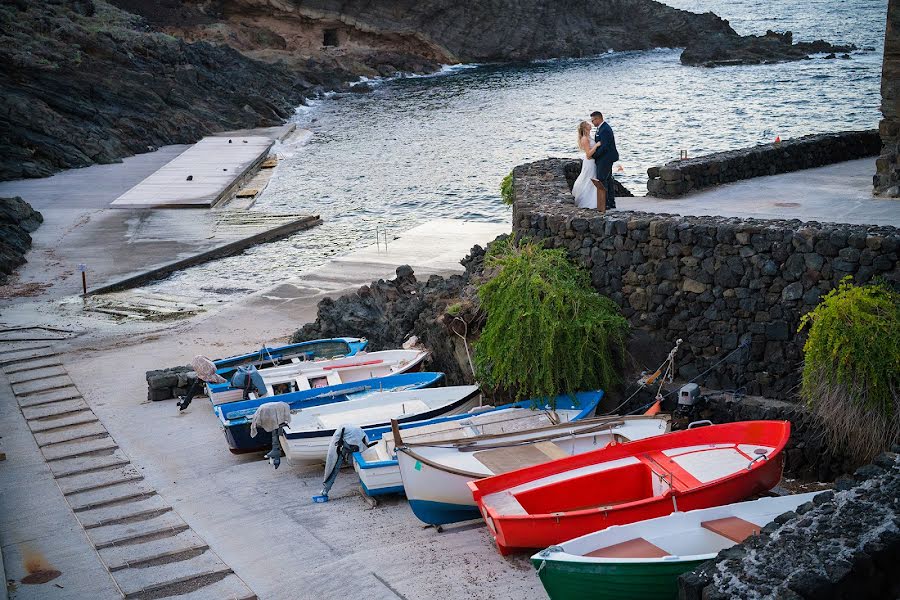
306 375
307 438
435 474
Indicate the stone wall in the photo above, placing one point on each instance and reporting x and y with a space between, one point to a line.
887 177
679 177
164 384
718 283
843 544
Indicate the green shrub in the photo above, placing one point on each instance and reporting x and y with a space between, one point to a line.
506 189
851 370
547 331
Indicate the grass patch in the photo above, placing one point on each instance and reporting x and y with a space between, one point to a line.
506 189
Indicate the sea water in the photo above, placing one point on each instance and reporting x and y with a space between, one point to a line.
421 148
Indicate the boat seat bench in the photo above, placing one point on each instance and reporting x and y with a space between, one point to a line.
503 460
734 528
636 548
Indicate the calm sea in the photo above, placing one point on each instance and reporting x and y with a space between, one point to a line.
426 147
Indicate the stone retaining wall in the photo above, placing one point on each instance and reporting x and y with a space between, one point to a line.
715 282
843 544
164 384
679 177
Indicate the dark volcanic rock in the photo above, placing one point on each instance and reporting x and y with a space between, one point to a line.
438 312
724 49
845 545
84 83
17 219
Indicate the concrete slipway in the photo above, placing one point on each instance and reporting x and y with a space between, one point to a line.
252 530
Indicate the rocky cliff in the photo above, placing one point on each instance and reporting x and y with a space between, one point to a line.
466 31
89 81
83 82
17 221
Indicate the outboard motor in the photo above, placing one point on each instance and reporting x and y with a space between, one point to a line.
346 440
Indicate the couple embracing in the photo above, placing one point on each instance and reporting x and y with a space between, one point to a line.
596 181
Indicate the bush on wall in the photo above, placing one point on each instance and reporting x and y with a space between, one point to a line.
851 370
547 331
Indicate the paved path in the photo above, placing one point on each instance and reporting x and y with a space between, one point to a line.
839 193
199 177
80 227
110 534
259 522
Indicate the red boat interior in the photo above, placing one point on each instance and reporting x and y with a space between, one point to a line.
604 488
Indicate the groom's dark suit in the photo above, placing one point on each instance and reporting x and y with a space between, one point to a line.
604 157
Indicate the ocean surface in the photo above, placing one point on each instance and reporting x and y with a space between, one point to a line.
421 148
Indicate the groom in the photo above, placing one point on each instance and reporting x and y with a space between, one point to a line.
605 155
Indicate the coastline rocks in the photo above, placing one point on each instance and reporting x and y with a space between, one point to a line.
17 220
86 83
388 313
679 177
843 544
727 50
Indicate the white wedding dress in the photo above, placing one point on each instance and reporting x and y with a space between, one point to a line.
584 190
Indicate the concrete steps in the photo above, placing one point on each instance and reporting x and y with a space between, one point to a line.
149 550
102 459
37 373
54 409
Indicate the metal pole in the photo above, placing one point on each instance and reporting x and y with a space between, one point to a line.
84 282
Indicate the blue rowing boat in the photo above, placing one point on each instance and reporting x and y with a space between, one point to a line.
267 357
236 416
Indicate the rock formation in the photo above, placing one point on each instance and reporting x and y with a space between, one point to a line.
887 177
843 544
468 31
17 220
86 83
725 49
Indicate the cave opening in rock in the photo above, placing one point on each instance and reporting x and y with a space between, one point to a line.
330 38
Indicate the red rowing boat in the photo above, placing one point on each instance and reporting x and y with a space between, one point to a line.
549 503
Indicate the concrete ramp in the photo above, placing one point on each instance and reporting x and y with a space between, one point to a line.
215 165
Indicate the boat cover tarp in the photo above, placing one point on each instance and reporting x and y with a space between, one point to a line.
351 439
270 416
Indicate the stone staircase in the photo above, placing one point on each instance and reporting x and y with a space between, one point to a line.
150 552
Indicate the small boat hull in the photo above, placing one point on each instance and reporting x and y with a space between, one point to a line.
542 505
311 446
266 357
383 476
644 559
235 417
636 581
437 495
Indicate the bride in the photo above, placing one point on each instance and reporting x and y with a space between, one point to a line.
584 190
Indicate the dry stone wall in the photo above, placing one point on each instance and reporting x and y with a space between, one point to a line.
679 177
718 283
